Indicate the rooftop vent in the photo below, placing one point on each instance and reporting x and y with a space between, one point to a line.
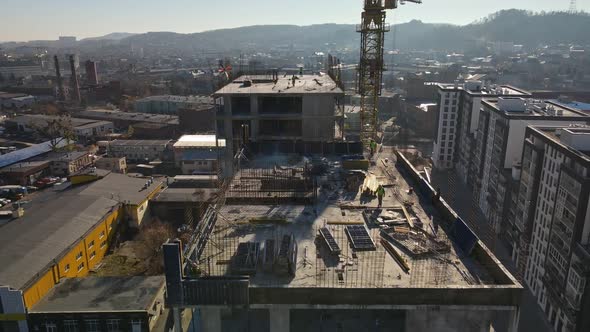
506 104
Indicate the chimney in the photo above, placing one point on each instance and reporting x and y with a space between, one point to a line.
61 94
91 73
74 79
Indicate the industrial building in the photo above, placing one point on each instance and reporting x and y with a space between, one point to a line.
549 228
199 154
147 126
169 104
276 257
80 304
289 112
114 164
138 150
84 129
64 232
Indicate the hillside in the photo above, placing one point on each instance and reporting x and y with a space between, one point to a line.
521 27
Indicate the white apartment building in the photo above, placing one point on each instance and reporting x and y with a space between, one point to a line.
552 226
499 146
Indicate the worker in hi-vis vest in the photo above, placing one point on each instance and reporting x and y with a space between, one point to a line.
380 194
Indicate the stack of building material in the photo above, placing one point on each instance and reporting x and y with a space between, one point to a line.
286 262
330 241
269 255
245 260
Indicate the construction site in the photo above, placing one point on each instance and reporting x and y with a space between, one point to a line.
310 232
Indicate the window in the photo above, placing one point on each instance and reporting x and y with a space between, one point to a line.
135 325
71 326
92 325
113 325
103 244
92 254
91 244
79 256
101 234
50 327
67 268
81 267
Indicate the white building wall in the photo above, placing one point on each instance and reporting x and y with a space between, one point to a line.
444 146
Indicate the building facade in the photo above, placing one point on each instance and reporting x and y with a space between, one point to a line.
198 154
170 104
550 228
138 150
291 110
498 148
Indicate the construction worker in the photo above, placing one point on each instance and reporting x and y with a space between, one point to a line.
373 147
380 194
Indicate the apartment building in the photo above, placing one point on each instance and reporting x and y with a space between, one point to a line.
550 228
458 120
498 148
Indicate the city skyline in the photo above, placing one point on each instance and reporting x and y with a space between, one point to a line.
46 21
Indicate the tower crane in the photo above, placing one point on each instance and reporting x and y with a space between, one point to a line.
372 29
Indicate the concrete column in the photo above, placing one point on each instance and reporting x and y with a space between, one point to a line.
279 319
210 319
255 123
513 320
177 320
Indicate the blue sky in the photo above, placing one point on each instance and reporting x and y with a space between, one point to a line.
47 19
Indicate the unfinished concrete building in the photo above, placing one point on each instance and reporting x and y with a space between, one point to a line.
288 250
279 112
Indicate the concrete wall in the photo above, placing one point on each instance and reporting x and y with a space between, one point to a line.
318 118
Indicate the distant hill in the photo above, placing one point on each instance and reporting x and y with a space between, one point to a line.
518 26
111 36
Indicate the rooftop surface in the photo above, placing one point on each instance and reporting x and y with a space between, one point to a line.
110 115
41 120
538 108
432 257
135 142
101 294
486 90
29 152
198 141
52 222
263 84
556 134
178 99
123 188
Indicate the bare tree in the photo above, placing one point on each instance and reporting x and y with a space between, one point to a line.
57 130
150 242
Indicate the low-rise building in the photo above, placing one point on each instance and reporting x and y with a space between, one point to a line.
68 163
170 104
62 234
114 164
198 154
550 227
101 304
13 101
83 128
123 120
25 173
138 150
133 192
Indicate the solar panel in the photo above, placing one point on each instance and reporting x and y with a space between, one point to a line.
330 241
359 238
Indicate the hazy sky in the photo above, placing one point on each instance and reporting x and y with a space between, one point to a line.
48 19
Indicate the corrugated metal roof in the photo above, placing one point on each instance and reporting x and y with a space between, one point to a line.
30 152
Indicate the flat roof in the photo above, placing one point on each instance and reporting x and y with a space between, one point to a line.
445 265
186 195
123 188
53 220
263 84
554 133
535 109
101 294
199 141
41 119
29 152
111 115
205 100
136 142
490 91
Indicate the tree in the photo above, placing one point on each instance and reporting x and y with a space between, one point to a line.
56 130
150 242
